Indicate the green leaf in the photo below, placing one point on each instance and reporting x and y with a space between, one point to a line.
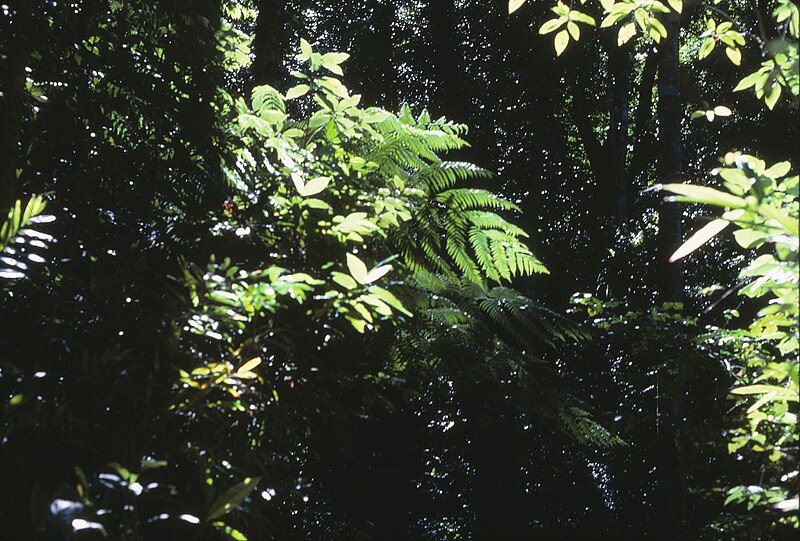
357 268
331 61
334 86
551 25
734 54
320 118
703 235
389 298
514 5
297 91
749 238
582 18
561 41
677 5
305 49
377 273
749 81
314 186
248 366
781 392
771 98
314 203
788 224
272 116
607 4
344 280
574 30
778 170
706 47
231 498
657 30
703 194
626 33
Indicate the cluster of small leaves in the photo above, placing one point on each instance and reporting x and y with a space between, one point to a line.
638 15
635 15
778 73
725 34
566 17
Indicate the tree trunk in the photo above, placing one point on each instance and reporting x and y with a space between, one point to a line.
670 161
270 43
12 100
671 500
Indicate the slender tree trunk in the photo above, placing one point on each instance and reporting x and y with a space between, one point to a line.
12 99
671 500
670 161
616 145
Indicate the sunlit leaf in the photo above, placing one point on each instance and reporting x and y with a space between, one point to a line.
704 194
734 54
702 236
551 25
249 365
514 5
357 268
561 41
315 186
677 5
297 91
626 32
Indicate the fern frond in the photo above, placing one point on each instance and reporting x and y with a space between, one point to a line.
474 198
443 175
579 424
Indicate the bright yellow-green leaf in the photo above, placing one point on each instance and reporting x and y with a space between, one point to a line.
358 324
357 268
514 5
574 30
315 185
677 5
607 4
249 365
551 25
734 54
561 41
305 49
771 96
344 280
778 170
626 33
781 392
377 273
297 91
704 194
721 110
702 236
706 47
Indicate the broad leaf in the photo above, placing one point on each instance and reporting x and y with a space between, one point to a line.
561 41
